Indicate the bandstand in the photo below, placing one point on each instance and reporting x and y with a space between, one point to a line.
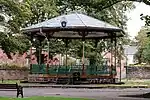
73 26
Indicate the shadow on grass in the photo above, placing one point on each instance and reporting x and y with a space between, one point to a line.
146 95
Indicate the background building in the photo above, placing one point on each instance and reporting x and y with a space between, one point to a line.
129 52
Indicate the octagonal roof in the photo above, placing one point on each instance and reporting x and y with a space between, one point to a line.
76 23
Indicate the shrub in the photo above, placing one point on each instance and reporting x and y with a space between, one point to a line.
12 66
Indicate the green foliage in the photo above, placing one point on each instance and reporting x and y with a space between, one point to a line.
12 66
43 98
143 54
139 56
29 12
2 18
13 44
146 18
111 15
145 41
146 52
40 10
16 14
147 2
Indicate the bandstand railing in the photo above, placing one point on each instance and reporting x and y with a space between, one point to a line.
62 69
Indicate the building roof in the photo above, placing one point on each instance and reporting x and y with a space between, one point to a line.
130 50
75 22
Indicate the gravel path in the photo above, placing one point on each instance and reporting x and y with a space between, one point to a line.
98 94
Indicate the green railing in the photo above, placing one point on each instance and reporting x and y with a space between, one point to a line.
60 69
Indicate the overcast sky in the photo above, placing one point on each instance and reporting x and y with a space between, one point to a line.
135 23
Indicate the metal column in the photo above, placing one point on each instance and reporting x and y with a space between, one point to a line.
115 53
120 61
48 55
31 55
66 41
111 55
83 62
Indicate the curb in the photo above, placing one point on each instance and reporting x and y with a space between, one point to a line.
84 87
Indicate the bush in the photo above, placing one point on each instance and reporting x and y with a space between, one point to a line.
13 66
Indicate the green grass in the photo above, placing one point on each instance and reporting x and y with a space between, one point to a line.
133 82
43 98
137 82
10 81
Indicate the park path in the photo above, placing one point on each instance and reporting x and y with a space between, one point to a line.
98 94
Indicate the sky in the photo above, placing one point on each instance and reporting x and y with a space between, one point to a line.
134 23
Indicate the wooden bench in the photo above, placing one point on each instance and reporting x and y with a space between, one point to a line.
18 88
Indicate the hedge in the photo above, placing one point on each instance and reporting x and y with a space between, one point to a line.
13 66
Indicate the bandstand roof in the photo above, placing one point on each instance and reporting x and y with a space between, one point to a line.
77 23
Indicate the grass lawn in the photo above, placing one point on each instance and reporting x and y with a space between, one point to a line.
132 82
10 81
43 98
137 82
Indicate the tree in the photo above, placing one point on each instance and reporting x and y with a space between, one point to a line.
30 12
95 8
143 46
146 53
16 14
41 10
99 5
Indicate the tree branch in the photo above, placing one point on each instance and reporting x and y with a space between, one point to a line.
147 2
110 3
